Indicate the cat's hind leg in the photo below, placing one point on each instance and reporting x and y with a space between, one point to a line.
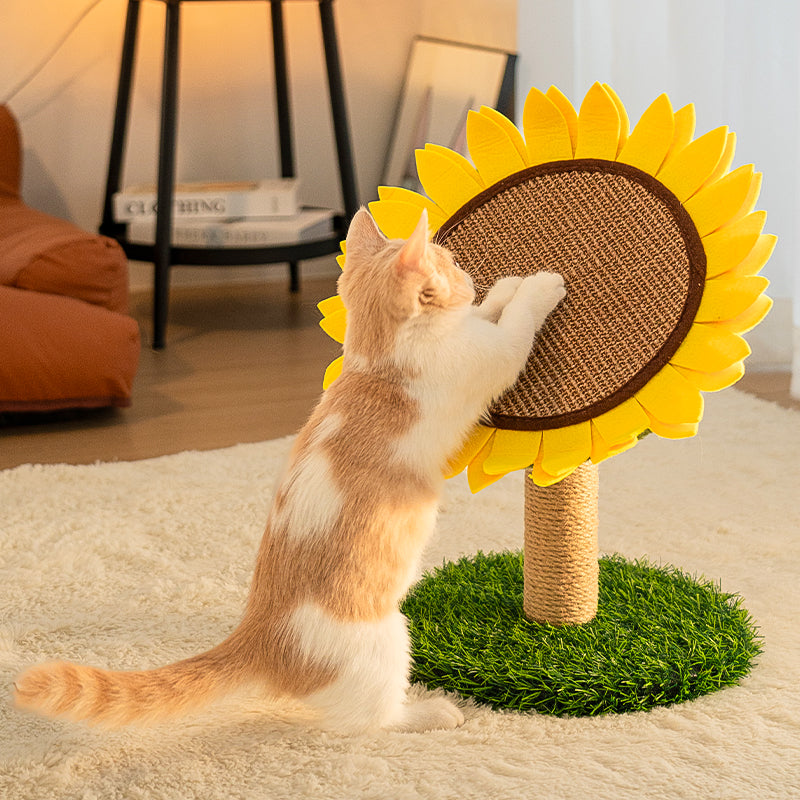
428 714
351 706
371 660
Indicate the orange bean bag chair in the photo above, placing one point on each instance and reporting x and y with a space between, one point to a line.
66 338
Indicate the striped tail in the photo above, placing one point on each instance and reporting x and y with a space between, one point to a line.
113 699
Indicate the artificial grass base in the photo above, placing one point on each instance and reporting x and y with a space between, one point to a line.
660 637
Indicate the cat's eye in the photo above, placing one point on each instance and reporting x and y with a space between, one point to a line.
426 295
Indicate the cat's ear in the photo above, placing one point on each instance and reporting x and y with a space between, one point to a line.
412 254
363 235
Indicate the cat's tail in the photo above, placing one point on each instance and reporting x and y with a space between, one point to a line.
113 699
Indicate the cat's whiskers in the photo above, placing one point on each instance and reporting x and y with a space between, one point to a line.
477 267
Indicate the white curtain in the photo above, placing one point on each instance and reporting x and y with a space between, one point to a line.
738 61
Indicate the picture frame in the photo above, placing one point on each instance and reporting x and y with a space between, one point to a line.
444 79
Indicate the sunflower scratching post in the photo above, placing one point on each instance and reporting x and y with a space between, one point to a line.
660 248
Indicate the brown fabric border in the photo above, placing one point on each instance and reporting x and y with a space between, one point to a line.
697 265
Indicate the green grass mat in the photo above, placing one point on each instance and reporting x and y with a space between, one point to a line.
660 637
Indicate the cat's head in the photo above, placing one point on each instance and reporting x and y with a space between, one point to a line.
400 278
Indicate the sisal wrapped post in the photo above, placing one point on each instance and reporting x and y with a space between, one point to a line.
560 560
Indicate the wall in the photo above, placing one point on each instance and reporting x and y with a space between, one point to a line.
226 121
736 61
491 23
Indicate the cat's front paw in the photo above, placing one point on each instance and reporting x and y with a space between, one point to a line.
504 289
499 296
545 290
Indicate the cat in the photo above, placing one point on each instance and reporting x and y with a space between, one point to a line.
356 505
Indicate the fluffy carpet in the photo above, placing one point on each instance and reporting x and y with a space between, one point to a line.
133 565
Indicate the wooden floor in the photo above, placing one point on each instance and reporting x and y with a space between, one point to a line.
242 364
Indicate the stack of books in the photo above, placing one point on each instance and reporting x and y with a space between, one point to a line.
238 214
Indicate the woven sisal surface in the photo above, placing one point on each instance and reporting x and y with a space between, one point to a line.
634 269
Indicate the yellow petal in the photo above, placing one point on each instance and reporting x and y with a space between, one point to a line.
397 219
749 318
476 477
726 297
473 444
729 246
751 199
330 305
598 126
688 169
335 325
542 478
512 450
713 381
709 349
563 449
397 193
651 138
333 371
340 259
478 480
559 99
447 177
670 398
624 121
724 164
406 195
720 202
755 260
621 422
436 216
511 130
683 430
684 129
621 447
601 449
547 135
493 151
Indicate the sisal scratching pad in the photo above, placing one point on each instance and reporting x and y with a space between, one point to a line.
633 264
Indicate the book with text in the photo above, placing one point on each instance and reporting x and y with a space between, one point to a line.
274 197
306 225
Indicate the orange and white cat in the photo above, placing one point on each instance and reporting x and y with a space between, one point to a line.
356 506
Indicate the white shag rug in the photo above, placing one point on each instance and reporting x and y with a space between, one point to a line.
132 565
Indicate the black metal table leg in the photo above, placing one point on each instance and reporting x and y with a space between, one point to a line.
166 174
338 109
284 111
282 89
108 227
294 277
